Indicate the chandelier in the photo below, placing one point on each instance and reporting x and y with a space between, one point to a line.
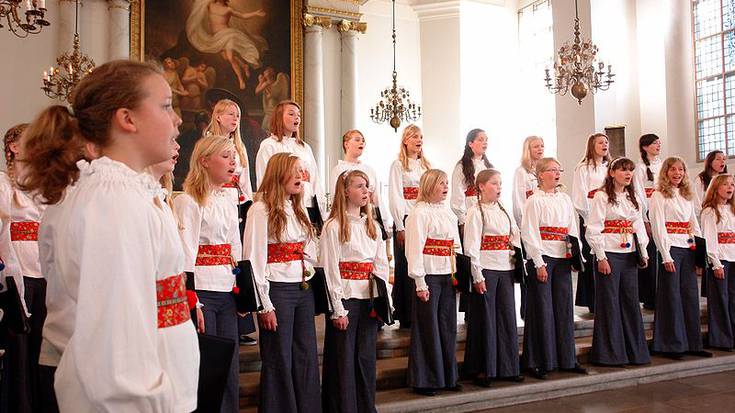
395 102
35 10
575 68
59 81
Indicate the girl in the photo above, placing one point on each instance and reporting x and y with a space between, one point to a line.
431 242
548 221
116 292
490 234
403 189
718 227
714 164
614 217
644 180
674 225
353 145
285 138
588 177
352 252
524 179
280 244
210 235
474 160
23 213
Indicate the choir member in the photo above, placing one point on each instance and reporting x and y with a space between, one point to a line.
714 164
474 160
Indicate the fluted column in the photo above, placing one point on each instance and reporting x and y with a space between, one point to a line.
314 88
119 29
349 31
66 25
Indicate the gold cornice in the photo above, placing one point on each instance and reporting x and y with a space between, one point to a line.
333 12
347 25
113 4
311 20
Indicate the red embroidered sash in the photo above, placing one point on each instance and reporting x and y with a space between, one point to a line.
471 191
285 252
726 237
591 194
649 192
554 233
439 247
677 227
173 307
618 226
355 270
24 231
305 175
214 255
410 192
495 243
529 193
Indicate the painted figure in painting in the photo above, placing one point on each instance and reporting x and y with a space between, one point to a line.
208 30
174 81
274 88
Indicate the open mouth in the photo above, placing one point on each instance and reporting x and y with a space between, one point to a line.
360 147
231 171
445 193
297 184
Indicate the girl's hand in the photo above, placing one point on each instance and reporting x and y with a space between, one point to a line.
423 295
603 267
541 274
401 238
200 320
645 263
719 273
480 287
669 267
341 323
268 321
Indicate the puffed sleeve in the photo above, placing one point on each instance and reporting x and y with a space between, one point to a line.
515 232
519 193
245 186
640 230
709 231
472 238
657 215
189 215
415 241
694 219
330 253
457 201
698 195
596 224
381 267
316 181
255 250
264 154
116 326
396 203
530 231
574 222
234 234
580 188
639 180
7 252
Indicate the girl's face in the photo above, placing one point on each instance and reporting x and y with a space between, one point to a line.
440 191
676 173
491 189
551 176
229 119
357 192
220 166
355 145
622 176
718 164
725 191
601 146
654 149
291 119
414 143
537 149
479 144
293 182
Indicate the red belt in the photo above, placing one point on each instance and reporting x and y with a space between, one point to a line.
410 192
495 243
214 255
677 227
439 247
471 191
618 226
173 308
24 231
554 233
305 175
726 237
591 194
285 252
355 270
649 192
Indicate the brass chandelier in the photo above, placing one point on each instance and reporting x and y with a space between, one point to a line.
34 16
575 67
395 102
59 81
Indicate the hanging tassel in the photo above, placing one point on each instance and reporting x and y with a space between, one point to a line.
236 290
373 313
454 281
236 270
242 198
692 245
304 285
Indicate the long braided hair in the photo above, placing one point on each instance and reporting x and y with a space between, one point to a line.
12 136
482 178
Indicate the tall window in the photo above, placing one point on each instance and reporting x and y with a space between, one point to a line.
714 50
536 50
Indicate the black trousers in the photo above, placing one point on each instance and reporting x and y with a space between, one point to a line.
403 286
647 277
721 307
585 296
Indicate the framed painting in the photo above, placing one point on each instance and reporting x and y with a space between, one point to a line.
250 51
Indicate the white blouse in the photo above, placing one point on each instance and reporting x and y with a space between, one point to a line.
586 180
459 201
374 186
256 239
102 297
698 195
360 248
600 211
495 223
643 186
242 174
544 209
524 184
398 180
425 221
312 185
712 230
674 209
215 223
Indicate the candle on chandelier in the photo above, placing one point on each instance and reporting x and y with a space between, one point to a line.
29 6
42 4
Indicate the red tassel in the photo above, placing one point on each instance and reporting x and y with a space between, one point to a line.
242 198
454 282
373 313
236 290
692 247
191 299
568 255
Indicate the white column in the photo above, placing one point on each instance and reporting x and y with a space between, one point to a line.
349 79
119 29
314 94
66 25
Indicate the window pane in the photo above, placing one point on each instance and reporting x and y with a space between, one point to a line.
709 57
730 136
728 14
706 18
709 98
729 51
711 136
730 93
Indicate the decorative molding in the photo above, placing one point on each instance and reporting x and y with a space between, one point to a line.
312 20
436 10
344 26
118 4
333 12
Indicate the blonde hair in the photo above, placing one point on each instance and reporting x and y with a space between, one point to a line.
339 207
409 132
526 161
272 192
542 164
710 197
664 185
214 128
348 135
278 129
590 157
197 183
429 180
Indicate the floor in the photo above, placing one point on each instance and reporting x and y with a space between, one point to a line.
712 393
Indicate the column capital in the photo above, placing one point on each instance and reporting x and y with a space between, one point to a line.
312 20
118 4
345 26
